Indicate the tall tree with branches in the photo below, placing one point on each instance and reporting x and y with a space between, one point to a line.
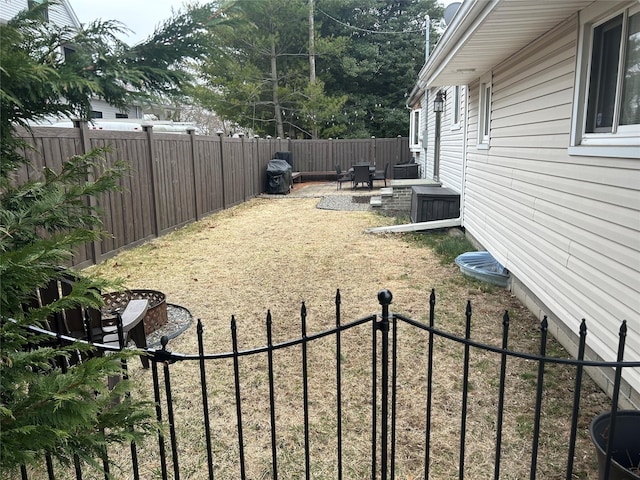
257 71
385 51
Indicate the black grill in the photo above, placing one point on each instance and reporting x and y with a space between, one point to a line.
278 176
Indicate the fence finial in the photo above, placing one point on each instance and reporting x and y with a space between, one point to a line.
385 297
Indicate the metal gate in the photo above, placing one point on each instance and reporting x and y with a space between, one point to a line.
384 441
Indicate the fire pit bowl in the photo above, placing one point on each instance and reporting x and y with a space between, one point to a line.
156 315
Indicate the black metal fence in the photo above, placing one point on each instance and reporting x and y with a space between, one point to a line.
385 404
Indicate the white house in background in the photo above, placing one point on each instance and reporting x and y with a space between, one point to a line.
546 156
59 14
62 14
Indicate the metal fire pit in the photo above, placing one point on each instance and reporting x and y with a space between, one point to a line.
156 315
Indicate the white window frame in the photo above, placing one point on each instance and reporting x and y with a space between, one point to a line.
622 141
484 111
414 129
456 102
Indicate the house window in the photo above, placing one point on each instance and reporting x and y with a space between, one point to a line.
122 115
37 3
415 128
607 102
455 107
484 111
614 84
68 52
96 114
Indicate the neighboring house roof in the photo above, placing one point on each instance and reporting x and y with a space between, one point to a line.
484 32
72 13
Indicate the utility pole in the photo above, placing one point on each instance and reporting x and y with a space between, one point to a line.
427 31
312 59
312 46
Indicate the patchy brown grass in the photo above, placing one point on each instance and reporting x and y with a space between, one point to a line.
273 254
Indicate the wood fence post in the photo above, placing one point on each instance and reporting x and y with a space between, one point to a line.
331 155
244 170
224 201
256 175
153 170
85 145
373 151
191 131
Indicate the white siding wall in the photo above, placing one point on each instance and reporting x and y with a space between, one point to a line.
109 111
58 14
568 227
452 143
451 140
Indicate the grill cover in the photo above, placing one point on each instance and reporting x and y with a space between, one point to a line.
278 176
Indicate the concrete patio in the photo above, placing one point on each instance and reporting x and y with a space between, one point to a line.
395 196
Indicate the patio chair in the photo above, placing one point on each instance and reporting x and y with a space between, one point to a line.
362 174
382 174
341 177
90 324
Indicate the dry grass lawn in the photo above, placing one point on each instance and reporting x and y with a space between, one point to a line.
273 254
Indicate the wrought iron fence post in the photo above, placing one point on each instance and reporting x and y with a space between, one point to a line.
503 378
384 297
427 440
305 392
205 399
576 398
544 329
338 385
272 398
156 395
236 379
465 391
622 336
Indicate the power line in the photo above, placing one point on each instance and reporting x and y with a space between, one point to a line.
365 30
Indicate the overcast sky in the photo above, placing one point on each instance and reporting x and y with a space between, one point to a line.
141 16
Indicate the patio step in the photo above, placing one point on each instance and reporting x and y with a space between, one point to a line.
375 202
386 191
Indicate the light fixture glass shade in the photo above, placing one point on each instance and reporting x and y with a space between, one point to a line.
438 103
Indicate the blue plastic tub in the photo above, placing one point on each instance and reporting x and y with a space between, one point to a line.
482 266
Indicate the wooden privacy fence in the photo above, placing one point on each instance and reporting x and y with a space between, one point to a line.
177 178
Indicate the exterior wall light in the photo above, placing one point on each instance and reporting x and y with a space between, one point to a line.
438 103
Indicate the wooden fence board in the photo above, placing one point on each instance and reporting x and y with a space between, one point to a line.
178 178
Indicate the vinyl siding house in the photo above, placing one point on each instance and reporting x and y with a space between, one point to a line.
62 14
449 169
546 156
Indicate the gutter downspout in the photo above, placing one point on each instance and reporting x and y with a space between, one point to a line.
463 180
415 227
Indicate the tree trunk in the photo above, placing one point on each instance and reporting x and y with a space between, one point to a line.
274 86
